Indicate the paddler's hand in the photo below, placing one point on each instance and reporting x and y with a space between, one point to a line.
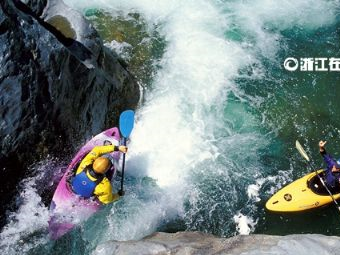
335 170
322 145
122 148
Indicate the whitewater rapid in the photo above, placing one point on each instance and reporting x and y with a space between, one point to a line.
195 114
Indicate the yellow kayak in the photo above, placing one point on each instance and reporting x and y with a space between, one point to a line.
303 194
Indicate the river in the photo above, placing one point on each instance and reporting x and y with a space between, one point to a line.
215 132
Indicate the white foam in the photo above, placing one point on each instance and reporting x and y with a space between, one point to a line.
253 189
196 71
253 192
287 13
262 19
244 224
32 216
121 48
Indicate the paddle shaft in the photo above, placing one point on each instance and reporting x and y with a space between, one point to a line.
123 167
126 121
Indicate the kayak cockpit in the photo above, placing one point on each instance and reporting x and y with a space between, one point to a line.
318 188
110 174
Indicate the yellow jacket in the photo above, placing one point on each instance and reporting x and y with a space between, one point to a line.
103 190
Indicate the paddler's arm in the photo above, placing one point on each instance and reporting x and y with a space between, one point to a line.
330 179
97 152
326 157
103 192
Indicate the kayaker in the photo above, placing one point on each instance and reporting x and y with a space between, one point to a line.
90 179
333 167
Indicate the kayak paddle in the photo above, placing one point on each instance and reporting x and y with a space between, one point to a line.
304 154
126 121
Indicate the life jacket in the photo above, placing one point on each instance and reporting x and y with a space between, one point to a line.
82 185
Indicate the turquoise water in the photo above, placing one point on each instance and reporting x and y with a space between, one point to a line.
216 129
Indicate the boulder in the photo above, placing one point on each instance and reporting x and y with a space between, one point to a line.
58 85
197 243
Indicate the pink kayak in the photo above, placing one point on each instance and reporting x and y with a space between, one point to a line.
68 209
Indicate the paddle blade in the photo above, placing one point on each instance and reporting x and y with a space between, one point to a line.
126 121
301 150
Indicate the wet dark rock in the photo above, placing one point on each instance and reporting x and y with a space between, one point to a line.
36 6
58 85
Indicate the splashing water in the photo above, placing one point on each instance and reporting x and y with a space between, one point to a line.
28 225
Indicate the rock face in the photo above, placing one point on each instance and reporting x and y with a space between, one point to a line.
58 84
191 243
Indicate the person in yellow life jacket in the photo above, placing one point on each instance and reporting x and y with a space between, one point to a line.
90 179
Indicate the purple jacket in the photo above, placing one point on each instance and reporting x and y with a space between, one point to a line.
331 179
